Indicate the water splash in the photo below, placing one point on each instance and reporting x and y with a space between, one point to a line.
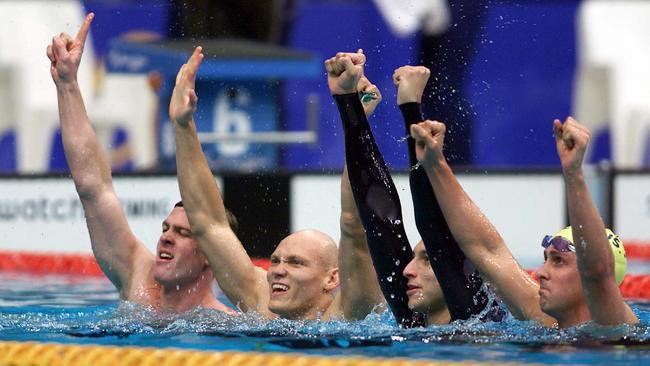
36 312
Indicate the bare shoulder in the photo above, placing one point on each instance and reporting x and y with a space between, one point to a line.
335 310
215 304
141 287
630 317
263 292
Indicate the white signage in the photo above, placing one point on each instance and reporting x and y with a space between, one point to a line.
46 214
632 206
523 208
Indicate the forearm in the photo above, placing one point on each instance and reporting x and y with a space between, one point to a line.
378 206
473 232
115 247
594 255
205 210
597 260
87 160
461 284
359 286
200 194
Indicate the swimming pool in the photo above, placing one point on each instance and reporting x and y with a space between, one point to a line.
80 310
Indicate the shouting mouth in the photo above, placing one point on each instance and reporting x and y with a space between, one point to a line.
164 256
278 289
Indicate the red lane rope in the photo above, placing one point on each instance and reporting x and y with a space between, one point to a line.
62 263
634 286
49 263
637 250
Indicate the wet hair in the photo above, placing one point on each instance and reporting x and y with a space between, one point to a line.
232 219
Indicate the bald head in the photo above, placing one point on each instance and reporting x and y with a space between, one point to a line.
315 245
303 275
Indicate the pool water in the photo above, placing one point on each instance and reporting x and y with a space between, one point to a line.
86 311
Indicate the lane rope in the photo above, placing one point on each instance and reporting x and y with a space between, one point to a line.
634 286
52 354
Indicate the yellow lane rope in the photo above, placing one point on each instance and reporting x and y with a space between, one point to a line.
51 354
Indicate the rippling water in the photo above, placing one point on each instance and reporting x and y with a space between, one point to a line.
79 310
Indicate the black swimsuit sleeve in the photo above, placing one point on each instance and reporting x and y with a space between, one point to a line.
461 284
379 207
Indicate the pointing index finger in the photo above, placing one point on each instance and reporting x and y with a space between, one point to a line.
85 28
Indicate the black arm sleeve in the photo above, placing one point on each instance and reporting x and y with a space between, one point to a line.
379 207
460 282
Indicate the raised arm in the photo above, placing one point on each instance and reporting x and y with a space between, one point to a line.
460 282
373 190
115 247
474 233
595 258
243 282
360 292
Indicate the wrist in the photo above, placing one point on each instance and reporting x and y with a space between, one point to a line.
574 176
182 123
401 101
66 86
436 163
411 113
344 92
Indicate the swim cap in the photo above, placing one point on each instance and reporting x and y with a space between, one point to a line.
620 259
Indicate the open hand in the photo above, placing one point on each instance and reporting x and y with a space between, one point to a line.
65 53
184 99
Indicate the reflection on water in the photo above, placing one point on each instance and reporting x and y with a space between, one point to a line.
74 310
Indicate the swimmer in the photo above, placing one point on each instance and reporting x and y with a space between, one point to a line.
379 206
578 282
178 278
460 282
302 281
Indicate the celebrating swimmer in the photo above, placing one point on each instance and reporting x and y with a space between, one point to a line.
380 211
178 278
583 264
303 279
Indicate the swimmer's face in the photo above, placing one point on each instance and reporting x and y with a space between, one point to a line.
560 287
423 290
178 258
302 276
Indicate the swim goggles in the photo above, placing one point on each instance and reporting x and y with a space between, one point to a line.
560 243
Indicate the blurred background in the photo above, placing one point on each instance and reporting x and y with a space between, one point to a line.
502 70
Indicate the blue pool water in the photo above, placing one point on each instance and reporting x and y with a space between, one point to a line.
86 311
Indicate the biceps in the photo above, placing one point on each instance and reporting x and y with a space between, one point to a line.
112 240
606 304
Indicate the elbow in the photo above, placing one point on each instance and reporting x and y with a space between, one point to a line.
202 224
351 225
597 272
89 188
